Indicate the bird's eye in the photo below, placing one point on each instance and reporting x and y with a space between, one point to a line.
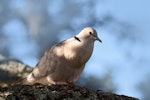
90 33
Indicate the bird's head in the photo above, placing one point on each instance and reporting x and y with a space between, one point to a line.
88 33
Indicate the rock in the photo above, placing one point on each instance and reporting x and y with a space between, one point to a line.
60 92
12 70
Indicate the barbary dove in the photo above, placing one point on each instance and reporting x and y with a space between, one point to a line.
64 62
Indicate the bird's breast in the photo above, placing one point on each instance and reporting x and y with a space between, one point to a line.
79 54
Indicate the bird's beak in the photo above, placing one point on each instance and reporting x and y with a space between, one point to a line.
98 39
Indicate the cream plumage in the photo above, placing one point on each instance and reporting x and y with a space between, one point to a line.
64 62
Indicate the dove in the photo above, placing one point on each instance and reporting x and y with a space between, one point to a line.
64 62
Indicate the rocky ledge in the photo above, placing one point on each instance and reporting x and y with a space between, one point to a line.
61 92
12 70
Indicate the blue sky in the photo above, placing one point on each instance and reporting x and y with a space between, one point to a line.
130 73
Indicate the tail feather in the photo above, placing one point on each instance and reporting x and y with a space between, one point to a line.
30 80
22 81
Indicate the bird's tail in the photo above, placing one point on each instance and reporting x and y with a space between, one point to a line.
20 81
30 80
25 81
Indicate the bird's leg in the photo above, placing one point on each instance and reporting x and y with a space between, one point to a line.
55 83
70 83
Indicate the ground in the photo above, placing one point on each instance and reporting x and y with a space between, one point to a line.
62 92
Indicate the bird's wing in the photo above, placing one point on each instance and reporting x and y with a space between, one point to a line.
48 63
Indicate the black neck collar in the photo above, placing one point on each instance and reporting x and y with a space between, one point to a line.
77 38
